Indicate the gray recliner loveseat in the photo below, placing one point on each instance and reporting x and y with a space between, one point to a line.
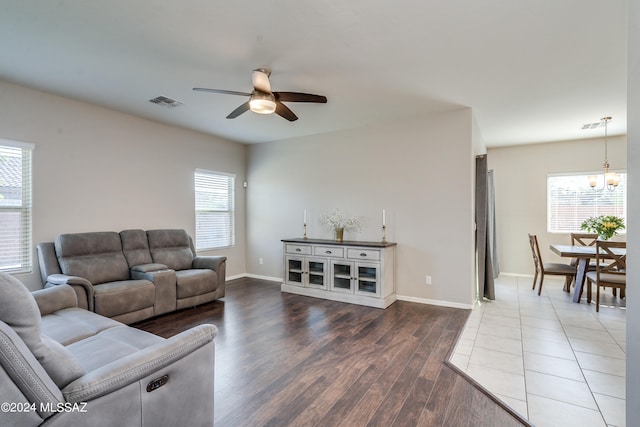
132 275
61 365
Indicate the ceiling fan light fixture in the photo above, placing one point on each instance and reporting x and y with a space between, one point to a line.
612 179
262 103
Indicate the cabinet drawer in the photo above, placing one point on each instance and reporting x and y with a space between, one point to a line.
331 251
299 249
368 254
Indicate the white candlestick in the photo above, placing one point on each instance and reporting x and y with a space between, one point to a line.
384 217
305 216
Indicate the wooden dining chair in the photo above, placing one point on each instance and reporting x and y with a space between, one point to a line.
612 273
587 239
552 268
584 239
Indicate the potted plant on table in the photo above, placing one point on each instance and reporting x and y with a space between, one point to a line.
605 226
339 222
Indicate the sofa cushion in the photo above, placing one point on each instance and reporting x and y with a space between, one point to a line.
19 310
116 298
171 248
59 363
135 247
195 282
109 345
97 257
74 324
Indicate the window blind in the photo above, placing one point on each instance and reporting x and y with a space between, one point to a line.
570 200
214 196
15 206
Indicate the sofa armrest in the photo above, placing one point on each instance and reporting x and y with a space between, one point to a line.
164 280
55 298
136 366
146 268
210 262
83 288
217 264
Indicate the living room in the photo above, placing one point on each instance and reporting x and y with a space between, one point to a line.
121 157
95 168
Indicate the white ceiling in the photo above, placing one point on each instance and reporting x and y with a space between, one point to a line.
532 71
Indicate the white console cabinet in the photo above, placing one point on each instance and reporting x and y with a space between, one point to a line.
350 271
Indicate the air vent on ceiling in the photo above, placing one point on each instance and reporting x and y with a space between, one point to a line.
592 125
165 101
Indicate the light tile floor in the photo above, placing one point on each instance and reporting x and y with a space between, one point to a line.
555 362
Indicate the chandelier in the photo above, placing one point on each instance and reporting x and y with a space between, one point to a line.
611 179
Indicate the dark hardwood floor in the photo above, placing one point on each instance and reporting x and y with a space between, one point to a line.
288 360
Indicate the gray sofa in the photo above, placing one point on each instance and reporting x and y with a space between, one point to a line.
61 365
134 274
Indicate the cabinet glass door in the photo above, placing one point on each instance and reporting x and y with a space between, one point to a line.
341 276
316 269
295 271
367 282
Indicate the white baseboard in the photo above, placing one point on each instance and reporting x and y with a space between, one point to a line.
255 276
516 274
434 302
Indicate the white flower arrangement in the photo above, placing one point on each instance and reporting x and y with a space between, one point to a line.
337 219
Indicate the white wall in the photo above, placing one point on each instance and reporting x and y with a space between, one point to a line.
633 281
420 171
479 146
100 170
520 175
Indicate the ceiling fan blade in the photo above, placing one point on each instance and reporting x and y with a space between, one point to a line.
260 78
227 92
299 97
284 111
241 109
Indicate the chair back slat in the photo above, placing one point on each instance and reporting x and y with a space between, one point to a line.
616 263
584 239
611 266
535 251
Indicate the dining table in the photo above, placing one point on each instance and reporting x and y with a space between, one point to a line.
584 254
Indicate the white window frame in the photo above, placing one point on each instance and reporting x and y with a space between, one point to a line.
569 205
15 234
215 218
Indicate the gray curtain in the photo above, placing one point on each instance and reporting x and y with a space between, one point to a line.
487 265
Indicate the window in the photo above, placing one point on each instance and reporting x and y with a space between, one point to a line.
570 200
15 206
214 209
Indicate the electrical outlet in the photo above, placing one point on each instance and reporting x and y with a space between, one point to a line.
260 261
427 280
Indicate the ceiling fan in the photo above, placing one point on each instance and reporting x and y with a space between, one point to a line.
263 101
